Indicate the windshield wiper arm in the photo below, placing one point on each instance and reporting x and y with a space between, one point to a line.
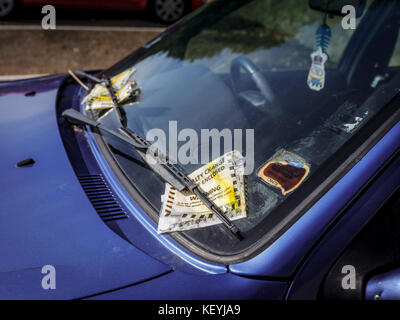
118 110
75 117
168 171
191 186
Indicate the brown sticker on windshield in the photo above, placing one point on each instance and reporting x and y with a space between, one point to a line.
285 171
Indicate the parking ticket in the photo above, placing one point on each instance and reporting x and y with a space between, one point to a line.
99 97
221 180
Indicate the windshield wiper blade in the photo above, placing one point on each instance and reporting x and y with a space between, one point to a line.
118 109
169 172
191 186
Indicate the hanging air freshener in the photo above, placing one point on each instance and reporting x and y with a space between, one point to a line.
316 75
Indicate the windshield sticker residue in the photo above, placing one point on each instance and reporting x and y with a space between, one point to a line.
285 171
222 180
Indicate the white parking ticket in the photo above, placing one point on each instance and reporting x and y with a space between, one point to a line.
221 180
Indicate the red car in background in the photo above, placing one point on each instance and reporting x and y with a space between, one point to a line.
167 11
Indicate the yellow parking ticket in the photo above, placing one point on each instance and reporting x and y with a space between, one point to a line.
221 180
99 97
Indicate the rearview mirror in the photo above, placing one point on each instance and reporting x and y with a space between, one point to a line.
334 7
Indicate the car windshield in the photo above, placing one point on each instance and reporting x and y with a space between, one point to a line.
287 85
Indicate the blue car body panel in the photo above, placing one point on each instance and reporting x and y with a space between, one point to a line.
283 257
46 218
178 285
308 280
385 285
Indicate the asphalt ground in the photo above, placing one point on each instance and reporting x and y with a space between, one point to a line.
81 17
55 51
83 40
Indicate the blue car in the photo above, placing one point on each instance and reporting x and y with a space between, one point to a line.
107 193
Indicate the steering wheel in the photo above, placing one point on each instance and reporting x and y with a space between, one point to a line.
270 104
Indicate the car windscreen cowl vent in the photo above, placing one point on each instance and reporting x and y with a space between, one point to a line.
101 197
